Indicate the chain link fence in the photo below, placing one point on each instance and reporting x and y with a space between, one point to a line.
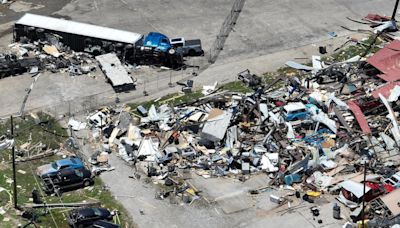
226 28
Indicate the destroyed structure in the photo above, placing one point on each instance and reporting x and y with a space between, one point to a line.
329 129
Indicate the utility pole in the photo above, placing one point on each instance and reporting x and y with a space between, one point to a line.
363 198
13 166
395 10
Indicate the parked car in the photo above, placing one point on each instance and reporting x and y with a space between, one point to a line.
393 180
294 111
85 217
53 168
66 179
187 47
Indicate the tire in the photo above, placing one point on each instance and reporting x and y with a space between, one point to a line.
86 183
171 51
96 53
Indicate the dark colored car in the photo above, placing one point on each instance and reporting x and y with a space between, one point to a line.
67 179
86 217
52 168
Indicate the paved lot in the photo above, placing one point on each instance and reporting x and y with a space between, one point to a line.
267 34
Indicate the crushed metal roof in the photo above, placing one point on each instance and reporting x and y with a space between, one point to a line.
360 117
354 187
387 60
392 201
385 89
113 69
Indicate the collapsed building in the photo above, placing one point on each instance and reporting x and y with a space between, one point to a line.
331 128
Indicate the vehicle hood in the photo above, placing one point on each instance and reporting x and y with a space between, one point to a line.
44 169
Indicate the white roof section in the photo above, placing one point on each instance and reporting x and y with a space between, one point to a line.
217 124
355 188
294 106
113 69
79 28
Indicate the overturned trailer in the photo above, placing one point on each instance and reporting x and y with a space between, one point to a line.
92 39
78 36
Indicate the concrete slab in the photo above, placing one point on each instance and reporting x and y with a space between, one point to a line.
238 201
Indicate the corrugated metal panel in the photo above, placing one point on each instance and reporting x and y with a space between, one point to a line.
113 69
392 201
356 188
387 60
360 117
217 124
385 89
78 28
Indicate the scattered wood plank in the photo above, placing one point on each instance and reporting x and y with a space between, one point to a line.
37 156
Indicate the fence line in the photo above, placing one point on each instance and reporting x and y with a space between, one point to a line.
226 28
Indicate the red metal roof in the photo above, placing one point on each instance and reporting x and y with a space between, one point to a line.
359 116
385 89
387 60
376 17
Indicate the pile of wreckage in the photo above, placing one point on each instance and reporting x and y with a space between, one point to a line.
48 54
330 129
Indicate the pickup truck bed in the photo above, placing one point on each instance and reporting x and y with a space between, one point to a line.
191 48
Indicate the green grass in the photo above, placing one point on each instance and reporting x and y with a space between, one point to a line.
52 134
48 131
236 87
177 99
353 50
174 99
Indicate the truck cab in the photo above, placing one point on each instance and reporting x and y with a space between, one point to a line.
158 42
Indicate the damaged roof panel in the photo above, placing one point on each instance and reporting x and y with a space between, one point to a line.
217 124
385 89
355 188
113 69
360 117
387 60
392 201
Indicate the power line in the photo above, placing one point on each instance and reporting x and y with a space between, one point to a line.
41 192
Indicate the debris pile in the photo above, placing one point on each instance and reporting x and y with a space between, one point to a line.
316 132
